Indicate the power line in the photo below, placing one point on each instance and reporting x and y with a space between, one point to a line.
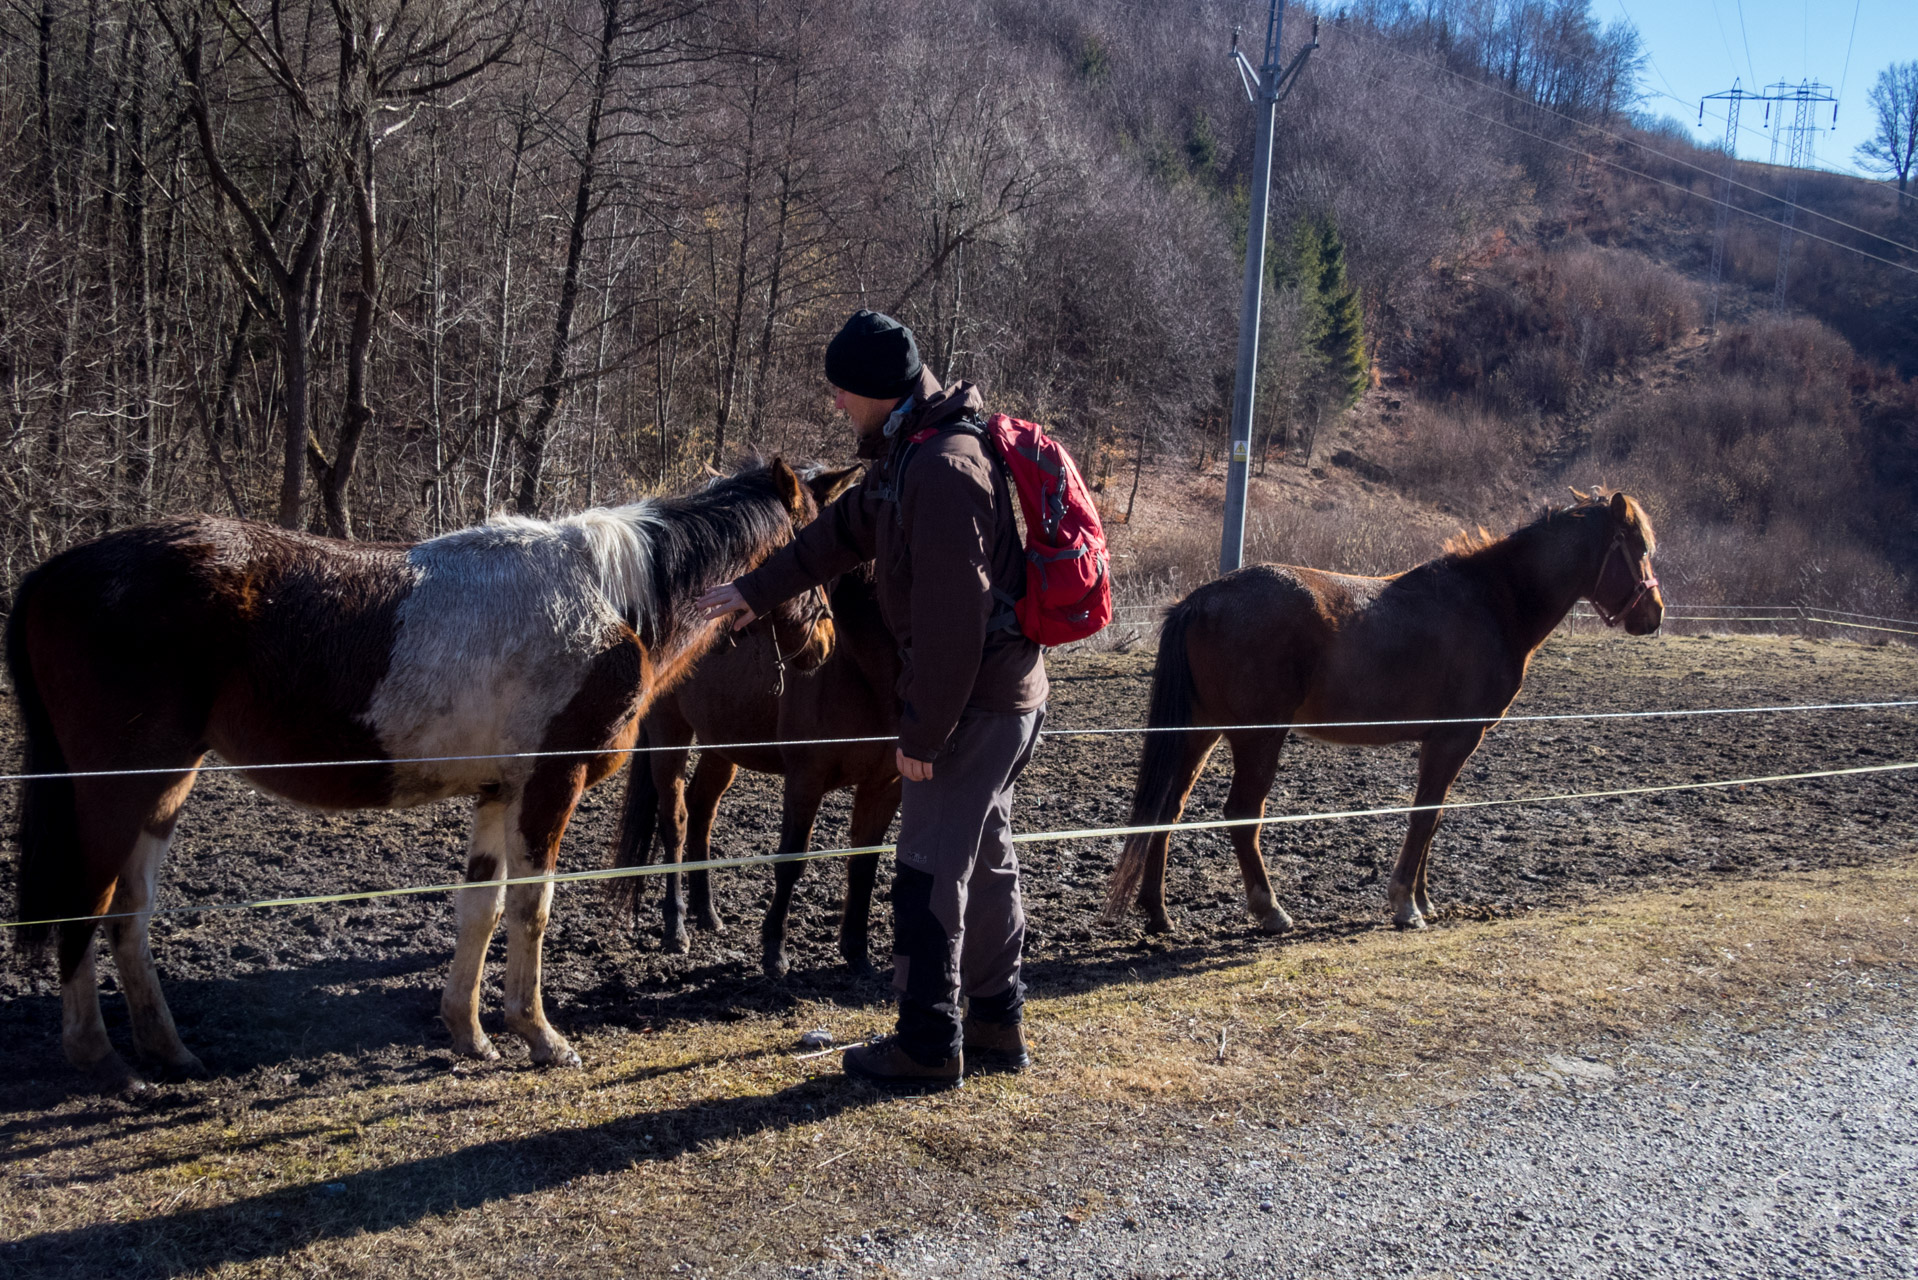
1744 33
1619 138
1664 182
1846 74
1835 167
1653 62
1730 57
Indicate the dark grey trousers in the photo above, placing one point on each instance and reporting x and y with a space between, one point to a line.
959 925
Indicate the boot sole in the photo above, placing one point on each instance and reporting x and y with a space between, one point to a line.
900 1084
906 1084
985 1062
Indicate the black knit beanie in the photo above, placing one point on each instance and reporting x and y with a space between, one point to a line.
873 356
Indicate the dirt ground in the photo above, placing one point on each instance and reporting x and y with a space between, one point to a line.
339 1000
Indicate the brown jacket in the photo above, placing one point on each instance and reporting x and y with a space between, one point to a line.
939 550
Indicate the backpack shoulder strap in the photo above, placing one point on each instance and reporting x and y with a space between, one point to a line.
1005 617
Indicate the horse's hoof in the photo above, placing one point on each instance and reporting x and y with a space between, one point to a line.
1275 921
775 964
1409 921
857 959
1158 922
712 922
479 1047
555 1053
111 1075
184 1065
677 944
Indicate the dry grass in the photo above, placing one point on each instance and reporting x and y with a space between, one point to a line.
710 1144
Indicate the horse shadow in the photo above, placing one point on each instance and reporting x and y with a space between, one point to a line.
398 1195
357 1022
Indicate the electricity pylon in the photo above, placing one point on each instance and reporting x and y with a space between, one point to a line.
1265 86
1803 98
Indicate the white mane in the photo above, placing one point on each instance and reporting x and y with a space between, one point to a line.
617 541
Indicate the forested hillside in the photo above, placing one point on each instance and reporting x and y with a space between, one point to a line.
379 269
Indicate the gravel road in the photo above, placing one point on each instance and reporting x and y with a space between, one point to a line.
1730 1155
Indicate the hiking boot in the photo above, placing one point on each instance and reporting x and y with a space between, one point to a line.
885 1063
995 1046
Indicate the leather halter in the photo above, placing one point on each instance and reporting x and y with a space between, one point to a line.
1647 581
780 659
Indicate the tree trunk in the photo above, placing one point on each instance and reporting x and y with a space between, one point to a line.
533 462
357 413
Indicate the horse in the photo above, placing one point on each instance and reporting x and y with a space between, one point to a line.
1434 655
742 694
433 667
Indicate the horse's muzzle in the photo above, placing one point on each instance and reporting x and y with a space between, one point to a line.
1645 614
818 646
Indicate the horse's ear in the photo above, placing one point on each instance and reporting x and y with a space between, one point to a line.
1582 497
1627 512
791 490
828 485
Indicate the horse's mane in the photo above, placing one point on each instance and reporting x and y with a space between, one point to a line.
657 550
1470 542
716 532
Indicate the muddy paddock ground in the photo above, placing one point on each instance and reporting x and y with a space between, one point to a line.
347 995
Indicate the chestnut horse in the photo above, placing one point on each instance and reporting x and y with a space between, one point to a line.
740 694
1439 651
147 648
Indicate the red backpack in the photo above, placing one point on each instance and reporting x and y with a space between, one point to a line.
1068 592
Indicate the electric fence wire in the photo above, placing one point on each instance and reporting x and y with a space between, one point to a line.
1028 837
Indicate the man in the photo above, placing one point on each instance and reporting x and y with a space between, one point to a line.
935 514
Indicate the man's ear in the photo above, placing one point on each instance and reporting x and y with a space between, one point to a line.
828 485
791 490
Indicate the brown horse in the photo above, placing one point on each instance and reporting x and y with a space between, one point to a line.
147 648
740 694
1439 651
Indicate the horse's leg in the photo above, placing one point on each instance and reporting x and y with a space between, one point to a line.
1193 749
672 850
1440 759
477 912
800 807
1255 763
710 781
124 825
873 807
154 1035
532 848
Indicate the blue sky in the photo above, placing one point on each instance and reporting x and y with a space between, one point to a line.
1697 47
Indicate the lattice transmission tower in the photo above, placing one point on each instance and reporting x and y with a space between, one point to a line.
1796 140
1732 98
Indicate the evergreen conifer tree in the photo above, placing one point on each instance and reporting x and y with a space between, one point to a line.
1341 338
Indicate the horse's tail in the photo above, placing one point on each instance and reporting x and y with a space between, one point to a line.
1159 785
50 877
638 823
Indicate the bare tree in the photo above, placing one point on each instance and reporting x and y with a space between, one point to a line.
342 88
1893 146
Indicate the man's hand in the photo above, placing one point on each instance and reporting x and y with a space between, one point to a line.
723 600
911 770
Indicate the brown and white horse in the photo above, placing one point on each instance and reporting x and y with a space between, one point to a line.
1437 652
147 648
